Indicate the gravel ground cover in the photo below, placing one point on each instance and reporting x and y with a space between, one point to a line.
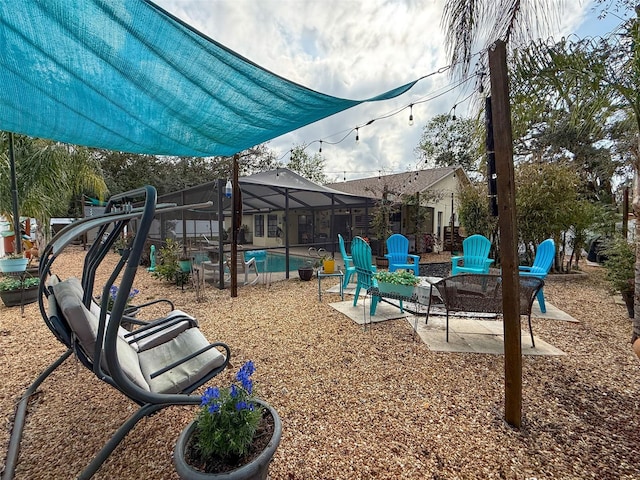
354 404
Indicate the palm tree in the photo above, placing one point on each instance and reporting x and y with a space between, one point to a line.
472 24
48 175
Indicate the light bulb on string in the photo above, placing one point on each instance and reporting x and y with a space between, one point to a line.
357 134
228 189
320 151
453 117
411 115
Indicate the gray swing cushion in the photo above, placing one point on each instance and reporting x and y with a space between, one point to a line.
161 333
82 322
87 328
185 374
145 356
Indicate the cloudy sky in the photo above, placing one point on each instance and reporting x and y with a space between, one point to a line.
356 49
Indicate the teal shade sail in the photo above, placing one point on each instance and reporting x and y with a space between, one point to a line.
126 75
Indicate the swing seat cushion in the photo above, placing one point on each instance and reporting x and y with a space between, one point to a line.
141 358
185 374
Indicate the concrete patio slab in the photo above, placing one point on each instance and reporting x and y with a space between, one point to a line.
474 336
384 311
467 334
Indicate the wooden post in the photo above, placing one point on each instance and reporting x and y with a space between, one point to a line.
236 206
221 186
503 144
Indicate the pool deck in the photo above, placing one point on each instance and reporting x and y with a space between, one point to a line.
302 251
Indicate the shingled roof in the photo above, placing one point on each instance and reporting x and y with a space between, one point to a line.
399 183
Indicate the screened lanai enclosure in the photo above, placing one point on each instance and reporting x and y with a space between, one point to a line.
282 213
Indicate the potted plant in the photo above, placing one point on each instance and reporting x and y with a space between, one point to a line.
234 436
184 261
306 271
15 290
124 241
619 263
243 234
327 262
400 282
380 223
167 266
13 262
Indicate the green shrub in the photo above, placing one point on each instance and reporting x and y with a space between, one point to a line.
620 262
167 267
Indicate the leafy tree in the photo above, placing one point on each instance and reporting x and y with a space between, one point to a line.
126 171
561 114
548 203
473 211
449 141
309 166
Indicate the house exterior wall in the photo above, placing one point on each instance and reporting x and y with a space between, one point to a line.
448 190
272 232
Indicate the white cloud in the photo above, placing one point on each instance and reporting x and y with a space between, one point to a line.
353 49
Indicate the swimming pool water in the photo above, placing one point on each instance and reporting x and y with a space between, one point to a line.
276 262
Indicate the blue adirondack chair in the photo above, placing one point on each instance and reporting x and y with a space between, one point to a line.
545 254
475 256
349 269
399 256
361 254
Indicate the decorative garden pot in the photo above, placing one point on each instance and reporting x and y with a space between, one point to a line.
13 298
402 290
257 469
305 273
382 262
11 265
328 265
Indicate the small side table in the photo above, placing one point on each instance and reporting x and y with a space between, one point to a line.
321 274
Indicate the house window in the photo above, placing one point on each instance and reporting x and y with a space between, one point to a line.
272 226
258 225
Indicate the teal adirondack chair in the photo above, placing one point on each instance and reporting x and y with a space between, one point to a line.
399 256
545 254
361 254
349 269
475 256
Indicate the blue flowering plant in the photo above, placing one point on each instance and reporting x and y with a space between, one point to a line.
228 418
113 292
